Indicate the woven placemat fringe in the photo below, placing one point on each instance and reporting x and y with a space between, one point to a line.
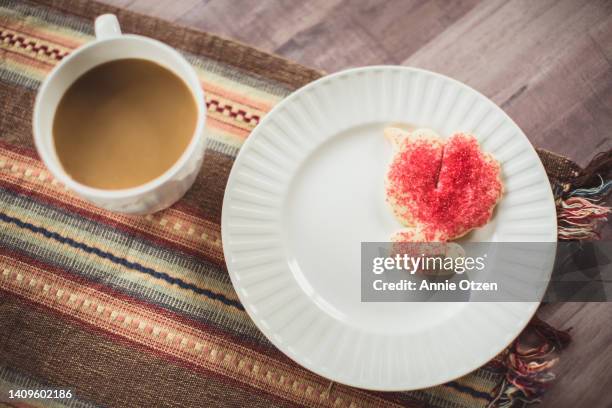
529 362
581 200
580 196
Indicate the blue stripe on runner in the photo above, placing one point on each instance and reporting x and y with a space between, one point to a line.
468 390
120 261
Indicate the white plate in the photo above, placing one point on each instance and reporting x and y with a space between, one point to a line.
308 187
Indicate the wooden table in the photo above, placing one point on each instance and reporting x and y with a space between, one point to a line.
547 63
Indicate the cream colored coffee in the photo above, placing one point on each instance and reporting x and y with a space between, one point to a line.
123 123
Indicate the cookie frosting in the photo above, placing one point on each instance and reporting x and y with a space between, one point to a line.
441 188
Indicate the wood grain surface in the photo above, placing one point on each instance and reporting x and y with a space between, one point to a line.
547 63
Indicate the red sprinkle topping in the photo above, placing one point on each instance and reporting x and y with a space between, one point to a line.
447 189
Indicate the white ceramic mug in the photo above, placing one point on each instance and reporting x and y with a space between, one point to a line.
110 45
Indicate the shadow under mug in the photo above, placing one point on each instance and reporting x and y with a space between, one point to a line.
110 44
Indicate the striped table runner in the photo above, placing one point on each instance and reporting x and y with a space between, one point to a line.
139 311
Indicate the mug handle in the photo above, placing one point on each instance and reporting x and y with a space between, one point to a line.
107 26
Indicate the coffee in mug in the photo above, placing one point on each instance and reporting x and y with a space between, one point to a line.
123 123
